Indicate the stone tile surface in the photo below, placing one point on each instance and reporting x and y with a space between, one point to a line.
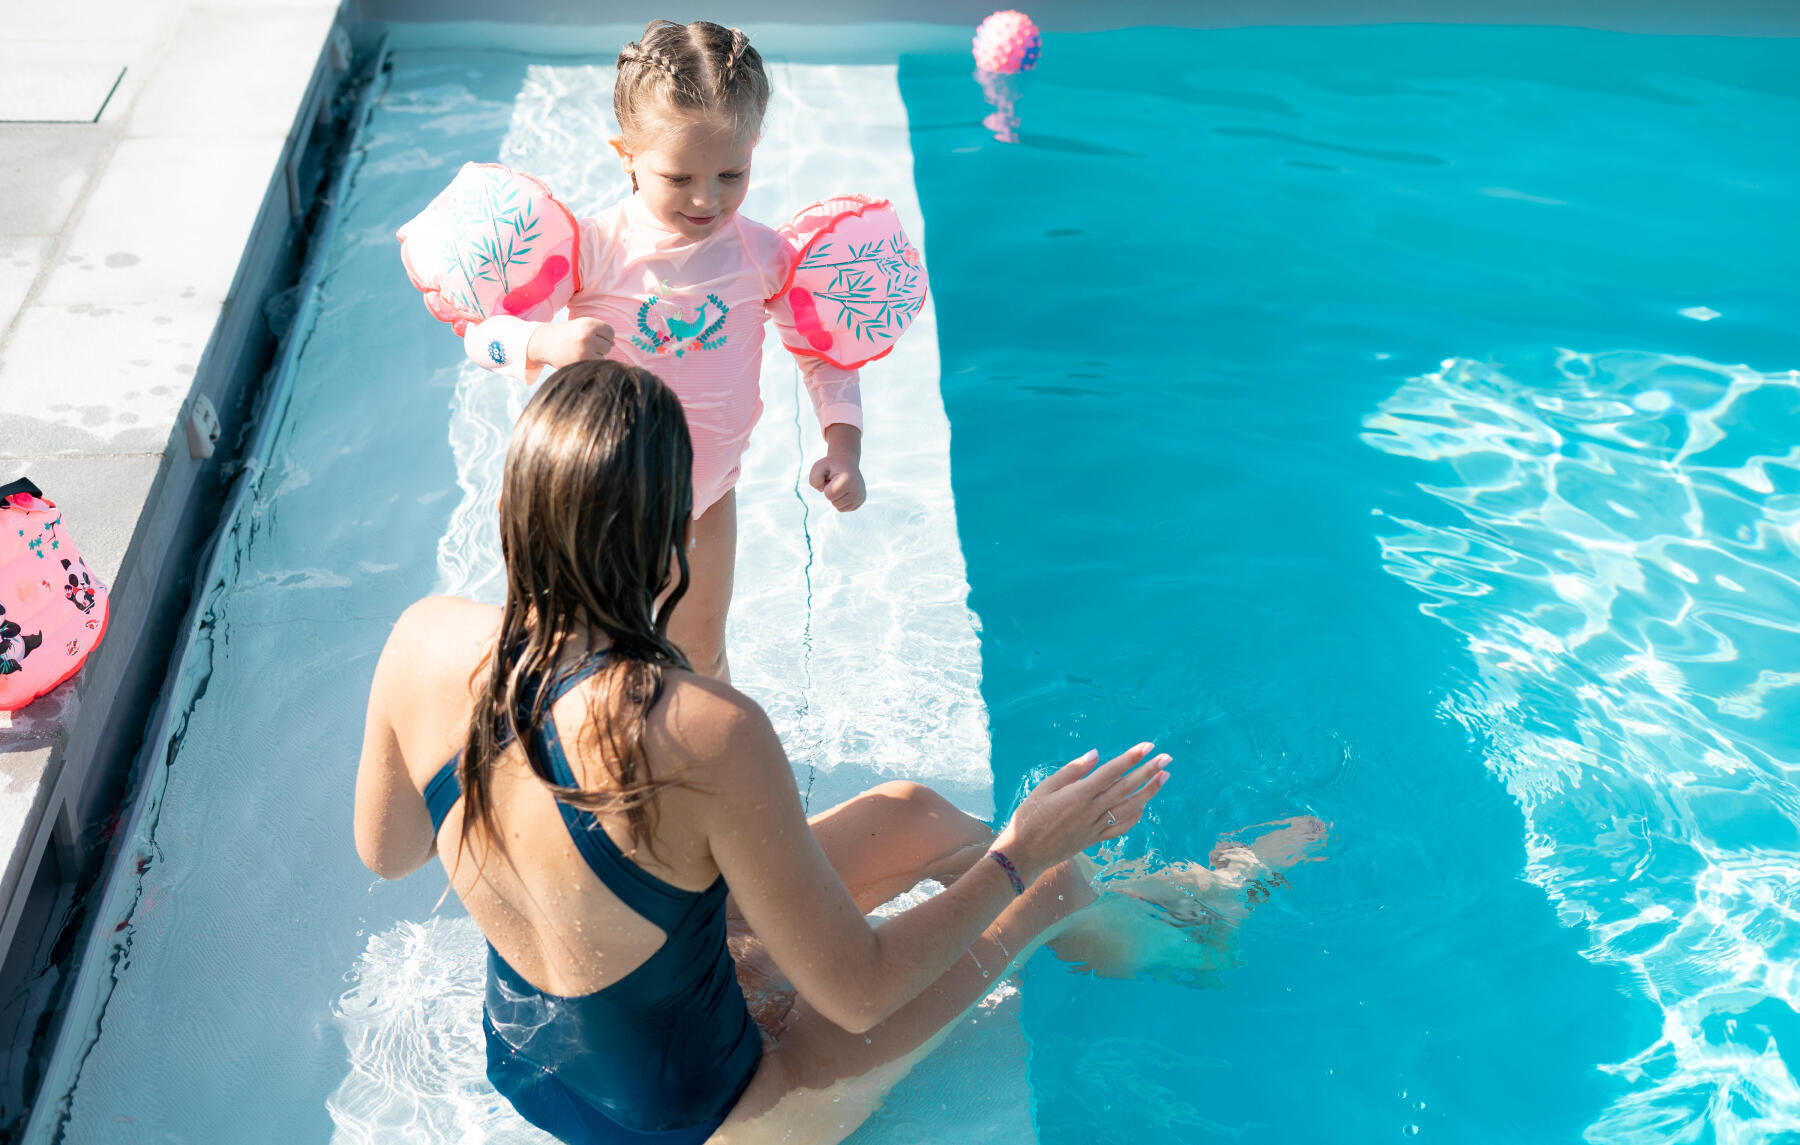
37 723
253 80
56 82
92 22
21 257
43 168
167 221
96 378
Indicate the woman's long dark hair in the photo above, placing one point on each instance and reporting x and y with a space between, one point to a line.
594 513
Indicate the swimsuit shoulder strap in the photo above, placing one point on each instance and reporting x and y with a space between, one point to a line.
445 788
442 793
662 903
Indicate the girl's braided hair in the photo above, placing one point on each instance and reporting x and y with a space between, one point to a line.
699 69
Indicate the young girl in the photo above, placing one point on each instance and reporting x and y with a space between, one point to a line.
675 280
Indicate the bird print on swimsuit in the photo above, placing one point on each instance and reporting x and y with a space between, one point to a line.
679 333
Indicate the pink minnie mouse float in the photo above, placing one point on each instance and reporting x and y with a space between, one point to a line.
52 610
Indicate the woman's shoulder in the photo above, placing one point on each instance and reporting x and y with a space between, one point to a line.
442 614
442 634
703 721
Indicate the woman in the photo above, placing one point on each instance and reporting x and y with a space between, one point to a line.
600 797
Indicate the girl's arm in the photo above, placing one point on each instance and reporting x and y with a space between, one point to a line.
520 350
836 392
837 398
855 974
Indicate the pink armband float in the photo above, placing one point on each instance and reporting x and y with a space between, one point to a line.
52 609
857 281
494 241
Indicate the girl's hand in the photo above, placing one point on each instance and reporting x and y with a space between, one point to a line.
840 478
1081 805
561 344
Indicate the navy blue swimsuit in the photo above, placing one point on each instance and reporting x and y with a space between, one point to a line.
661 1055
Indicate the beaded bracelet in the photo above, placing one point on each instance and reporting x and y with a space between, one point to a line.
1012 872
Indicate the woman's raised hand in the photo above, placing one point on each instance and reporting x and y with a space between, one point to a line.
1079 805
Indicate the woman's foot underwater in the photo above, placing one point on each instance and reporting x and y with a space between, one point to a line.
1179 921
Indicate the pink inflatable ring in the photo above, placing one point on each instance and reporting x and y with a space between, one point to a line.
857 281
493 242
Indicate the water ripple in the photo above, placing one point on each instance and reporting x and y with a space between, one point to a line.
1623 562
412 1030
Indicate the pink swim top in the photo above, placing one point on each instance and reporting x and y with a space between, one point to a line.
693 312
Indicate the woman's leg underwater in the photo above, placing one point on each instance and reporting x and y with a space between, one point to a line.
887 840
881 843
818 1082
698 625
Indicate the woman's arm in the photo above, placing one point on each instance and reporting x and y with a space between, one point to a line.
393 828
855 974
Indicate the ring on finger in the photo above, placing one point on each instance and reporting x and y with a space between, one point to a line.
1110 821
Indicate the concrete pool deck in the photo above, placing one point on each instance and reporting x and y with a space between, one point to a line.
146 160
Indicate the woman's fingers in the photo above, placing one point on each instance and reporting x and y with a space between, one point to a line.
1125 815
1070 772
1134 779
1112 770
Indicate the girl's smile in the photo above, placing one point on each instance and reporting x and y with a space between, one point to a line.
693 174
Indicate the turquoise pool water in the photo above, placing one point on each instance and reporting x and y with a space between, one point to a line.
1397 424
1324 405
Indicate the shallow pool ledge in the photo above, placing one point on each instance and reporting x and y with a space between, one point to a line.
160 160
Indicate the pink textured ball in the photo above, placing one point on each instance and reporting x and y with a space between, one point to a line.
1007 43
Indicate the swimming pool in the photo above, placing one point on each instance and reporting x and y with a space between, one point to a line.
1394 423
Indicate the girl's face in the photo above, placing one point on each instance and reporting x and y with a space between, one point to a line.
692 175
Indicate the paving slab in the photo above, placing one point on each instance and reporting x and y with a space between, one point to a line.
129 22
251 80
99 379
21 257
42 171
58 82
167 221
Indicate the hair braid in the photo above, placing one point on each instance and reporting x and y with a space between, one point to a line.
712 71
638 54
740 44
